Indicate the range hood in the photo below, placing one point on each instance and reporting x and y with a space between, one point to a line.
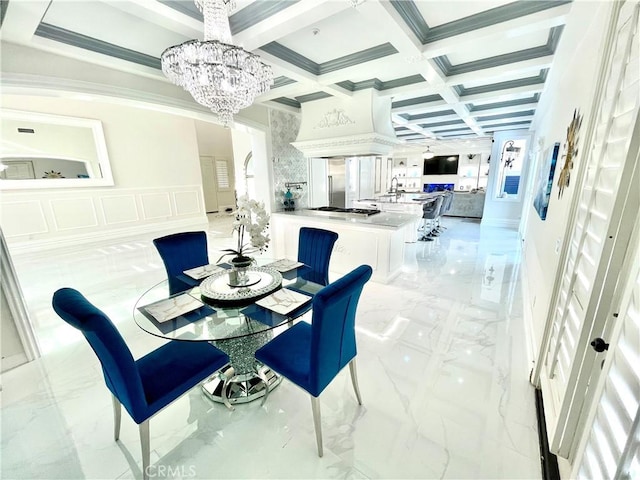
356 125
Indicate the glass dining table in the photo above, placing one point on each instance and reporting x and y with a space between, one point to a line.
237 319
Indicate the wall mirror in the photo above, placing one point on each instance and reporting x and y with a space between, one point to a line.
39 150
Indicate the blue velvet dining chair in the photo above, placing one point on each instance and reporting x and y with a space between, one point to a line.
314 250
146 385
312 355
180 252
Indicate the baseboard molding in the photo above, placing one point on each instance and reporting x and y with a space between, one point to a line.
527 317
13 361
500 222
548 461
18 248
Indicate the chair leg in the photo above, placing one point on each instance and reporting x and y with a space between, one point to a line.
354 380
317 423
117 416
146 451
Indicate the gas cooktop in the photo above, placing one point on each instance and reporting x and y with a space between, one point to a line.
360 212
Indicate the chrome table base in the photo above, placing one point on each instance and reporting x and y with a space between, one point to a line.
243 379
228 388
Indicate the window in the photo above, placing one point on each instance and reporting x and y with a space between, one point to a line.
222 174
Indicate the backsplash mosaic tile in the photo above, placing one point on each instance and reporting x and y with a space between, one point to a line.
289 164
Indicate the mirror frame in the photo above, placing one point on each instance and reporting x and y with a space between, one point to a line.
499 193
99 142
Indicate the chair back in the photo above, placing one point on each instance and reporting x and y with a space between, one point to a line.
333 338
118 366
314 249
432 210
180 252
448 200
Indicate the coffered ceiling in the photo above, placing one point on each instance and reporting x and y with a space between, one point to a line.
454 69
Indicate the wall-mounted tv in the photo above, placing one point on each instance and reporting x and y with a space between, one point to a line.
441 165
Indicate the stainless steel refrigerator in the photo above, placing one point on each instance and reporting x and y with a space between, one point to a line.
337 182
349 178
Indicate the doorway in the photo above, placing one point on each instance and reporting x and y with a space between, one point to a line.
209 184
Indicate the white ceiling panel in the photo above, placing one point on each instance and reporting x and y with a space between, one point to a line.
331 40
438 13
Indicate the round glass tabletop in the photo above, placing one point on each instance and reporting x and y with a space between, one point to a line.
215 311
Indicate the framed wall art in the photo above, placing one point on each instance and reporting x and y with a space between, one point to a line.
544 182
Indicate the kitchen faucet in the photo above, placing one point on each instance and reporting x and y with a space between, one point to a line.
394 190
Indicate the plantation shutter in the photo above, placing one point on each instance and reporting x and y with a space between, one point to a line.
588 253
612 449
222 174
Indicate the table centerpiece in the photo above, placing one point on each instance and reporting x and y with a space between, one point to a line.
251 220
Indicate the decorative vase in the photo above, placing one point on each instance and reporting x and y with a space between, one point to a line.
238 274
289 202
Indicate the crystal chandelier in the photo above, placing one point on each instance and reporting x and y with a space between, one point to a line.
218 74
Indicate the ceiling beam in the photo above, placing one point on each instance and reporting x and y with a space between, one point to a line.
502 72
504 94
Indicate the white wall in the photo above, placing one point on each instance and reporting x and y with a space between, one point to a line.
10 343
155 163
570 85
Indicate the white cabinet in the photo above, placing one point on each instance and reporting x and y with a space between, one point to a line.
318 191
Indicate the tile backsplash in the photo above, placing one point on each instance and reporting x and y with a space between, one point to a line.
289 164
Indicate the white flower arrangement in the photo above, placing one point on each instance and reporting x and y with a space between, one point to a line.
251 219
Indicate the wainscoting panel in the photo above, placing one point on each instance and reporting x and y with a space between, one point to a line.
155 205
23 218
74 213
187 202
45 219
120 209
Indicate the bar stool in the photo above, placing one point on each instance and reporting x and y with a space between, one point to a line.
430 214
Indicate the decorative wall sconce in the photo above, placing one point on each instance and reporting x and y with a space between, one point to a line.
571 151
511 152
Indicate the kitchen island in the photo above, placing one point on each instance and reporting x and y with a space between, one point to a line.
376 240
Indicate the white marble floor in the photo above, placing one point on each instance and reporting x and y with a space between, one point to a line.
441 365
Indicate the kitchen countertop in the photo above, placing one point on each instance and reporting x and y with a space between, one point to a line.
387 220
408 198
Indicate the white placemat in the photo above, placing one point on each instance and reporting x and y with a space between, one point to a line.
203 271
173 307
284 265
283 301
